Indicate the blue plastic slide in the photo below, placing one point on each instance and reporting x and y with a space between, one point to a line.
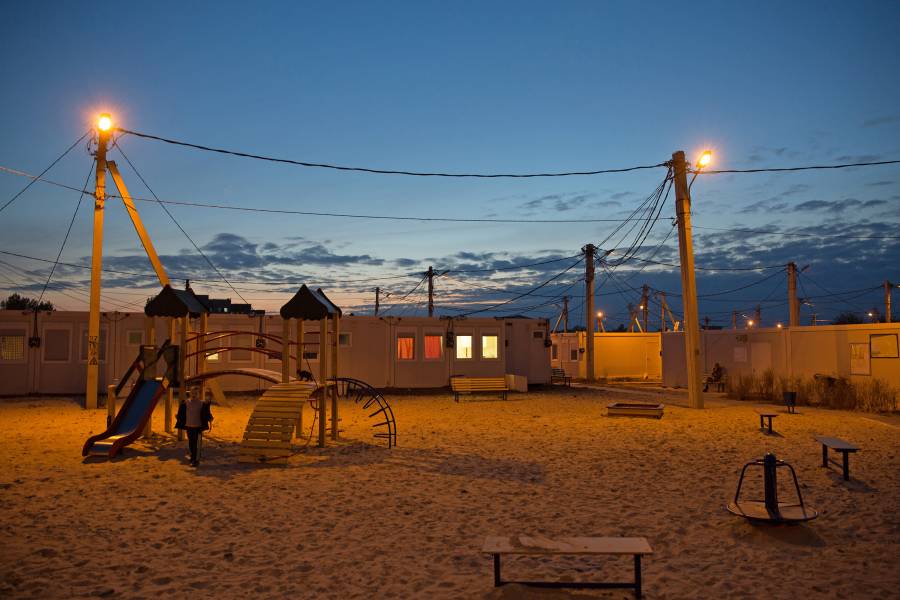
130 420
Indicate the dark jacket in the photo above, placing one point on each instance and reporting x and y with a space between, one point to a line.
205 416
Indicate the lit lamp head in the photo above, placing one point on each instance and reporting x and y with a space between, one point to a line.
750 323
599 314
779 326
705 159
104 123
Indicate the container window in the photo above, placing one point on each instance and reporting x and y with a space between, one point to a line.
464 346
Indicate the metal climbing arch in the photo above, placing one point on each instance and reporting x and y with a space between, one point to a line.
363 393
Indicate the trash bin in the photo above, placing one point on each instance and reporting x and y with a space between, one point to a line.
790 400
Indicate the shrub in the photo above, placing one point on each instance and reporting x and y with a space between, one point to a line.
872 395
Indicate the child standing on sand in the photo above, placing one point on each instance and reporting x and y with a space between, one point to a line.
194 416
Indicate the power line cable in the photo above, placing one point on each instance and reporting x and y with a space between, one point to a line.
381 171
177 224
791 169
66 238
44 172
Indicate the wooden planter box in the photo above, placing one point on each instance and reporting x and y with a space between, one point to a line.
635 409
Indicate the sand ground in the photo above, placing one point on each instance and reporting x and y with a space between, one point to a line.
356 520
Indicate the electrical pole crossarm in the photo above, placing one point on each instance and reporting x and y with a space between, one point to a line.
138 224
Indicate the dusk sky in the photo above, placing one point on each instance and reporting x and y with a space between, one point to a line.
459 87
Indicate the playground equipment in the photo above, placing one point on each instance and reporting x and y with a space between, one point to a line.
138 407
635 409
362 392
267 438
770 510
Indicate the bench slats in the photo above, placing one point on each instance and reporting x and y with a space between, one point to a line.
566 545
836 443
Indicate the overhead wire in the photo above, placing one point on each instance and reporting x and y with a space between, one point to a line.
66 237
177 224
44 172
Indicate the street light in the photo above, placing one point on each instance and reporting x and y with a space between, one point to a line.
104 122
750 323
704 159
778 325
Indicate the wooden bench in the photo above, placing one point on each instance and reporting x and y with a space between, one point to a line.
475 385
721 383
838 445
766 415
592 546
559 375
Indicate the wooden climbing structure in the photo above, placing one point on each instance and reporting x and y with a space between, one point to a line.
267 438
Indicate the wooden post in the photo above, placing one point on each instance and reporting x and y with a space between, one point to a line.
285 350
93 340
589 315
110 404
323 377
182 388
300 363
793 304
688 280
335 342
201 350
887 303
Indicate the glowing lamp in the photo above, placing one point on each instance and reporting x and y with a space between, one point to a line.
104 122
778 325
750 323
599 314
704 159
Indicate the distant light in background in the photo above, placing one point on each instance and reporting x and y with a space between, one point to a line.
778 325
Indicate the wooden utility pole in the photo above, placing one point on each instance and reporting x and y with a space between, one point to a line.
662 311
589 315
430 275
688 280
734 319
887 300
645 305
565 314
93 340
758 316
793 303
377 300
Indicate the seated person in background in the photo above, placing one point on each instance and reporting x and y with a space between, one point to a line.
714 377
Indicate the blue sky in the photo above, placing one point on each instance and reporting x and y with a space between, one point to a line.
436 86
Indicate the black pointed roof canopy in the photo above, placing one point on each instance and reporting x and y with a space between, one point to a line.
175 303
309 305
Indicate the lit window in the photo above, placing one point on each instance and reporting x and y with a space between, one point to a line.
554 352
344 339
489 346
12 344
434 347
406 346
464 346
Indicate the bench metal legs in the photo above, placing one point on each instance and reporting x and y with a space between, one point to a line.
636 586
762 424
845 463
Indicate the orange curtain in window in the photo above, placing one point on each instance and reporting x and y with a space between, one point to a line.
432 346
405 348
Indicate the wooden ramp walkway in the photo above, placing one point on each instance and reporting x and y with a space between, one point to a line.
267 438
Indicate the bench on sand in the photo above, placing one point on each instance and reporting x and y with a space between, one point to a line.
838 445
559 376
765 415
477 385
591 546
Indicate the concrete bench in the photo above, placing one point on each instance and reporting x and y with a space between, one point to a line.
559 376
475 385
838 445
591 546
